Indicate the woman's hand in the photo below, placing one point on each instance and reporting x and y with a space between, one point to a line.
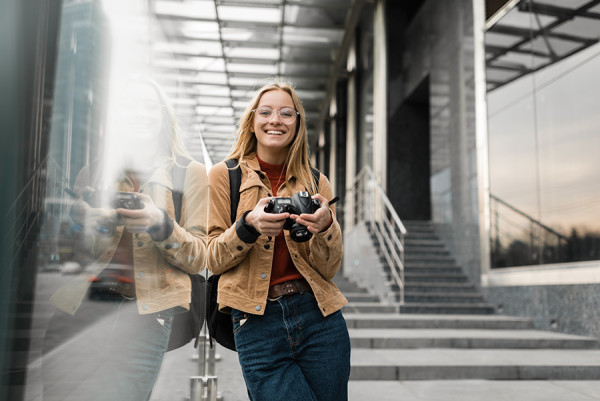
269 224
320 220
141 220
103 220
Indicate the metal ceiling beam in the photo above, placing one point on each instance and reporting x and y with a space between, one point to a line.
245 24
252 43
500 49
528 34
561 12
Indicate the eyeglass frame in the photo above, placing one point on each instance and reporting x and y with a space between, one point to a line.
278 113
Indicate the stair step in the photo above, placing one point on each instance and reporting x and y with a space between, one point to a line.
422 235
369 307
419 296
420 250
435 287
441 321
489 390
467 338
410 276
446 307
347 286
433 269
488 364
433 243
361 297
429 258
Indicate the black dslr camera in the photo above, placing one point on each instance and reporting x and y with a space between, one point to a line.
299 203
127 200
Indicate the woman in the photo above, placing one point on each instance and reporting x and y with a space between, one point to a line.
290 335
146 251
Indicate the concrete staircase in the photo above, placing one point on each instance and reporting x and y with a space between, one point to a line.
446 333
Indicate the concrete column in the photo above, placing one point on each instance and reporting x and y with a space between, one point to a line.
350 139
380 95
481 138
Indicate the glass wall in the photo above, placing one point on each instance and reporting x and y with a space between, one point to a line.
107 289
542 76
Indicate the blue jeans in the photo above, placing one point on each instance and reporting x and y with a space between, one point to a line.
292 352
114 358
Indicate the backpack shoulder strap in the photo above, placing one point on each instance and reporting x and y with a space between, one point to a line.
235 181
178 184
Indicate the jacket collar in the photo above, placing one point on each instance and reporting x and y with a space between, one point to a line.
254 174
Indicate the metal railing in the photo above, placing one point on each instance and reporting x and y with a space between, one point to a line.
366 203
517 239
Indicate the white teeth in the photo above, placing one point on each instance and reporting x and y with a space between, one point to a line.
274 133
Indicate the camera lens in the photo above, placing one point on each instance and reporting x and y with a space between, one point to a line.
299 233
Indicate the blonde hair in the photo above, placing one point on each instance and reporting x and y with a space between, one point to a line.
297 160
169 128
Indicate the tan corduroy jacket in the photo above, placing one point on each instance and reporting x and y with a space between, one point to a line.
160 267
244 262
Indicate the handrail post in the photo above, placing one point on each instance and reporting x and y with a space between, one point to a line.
203 387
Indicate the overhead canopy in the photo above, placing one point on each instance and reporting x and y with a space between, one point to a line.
218 51
529 35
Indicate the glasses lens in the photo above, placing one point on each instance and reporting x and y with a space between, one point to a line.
287 115
264 113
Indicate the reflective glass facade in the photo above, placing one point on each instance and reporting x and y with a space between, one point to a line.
543 140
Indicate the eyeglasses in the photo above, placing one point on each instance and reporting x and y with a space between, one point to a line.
286 115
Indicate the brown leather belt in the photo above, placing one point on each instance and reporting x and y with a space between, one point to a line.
288 288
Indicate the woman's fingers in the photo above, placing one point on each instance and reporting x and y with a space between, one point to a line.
141 220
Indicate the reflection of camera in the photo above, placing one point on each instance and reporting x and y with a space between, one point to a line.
299 203
127 200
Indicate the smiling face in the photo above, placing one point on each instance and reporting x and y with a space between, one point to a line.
272 135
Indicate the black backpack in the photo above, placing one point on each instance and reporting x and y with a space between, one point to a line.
187 325
220 326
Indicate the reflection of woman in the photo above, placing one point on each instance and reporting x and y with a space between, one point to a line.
149 247
290 334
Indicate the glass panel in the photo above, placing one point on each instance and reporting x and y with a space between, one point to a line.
108 290
544 174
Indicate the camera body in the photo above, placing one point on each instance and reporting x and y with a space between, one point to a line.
127 200
299 203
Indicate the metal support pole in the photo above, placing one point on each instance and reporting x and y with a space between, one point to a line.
203 388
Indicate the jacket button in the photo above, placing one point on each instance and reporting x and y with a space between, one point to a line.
257 307
145 307
141 274
267 246
140 243
263 275
168 246
329 237
239 247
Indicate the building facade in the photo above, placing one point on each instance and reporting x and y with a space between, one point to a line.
478 117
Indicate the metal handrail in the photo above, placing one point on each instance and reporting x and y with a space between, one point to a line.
538 257
374 207
528 217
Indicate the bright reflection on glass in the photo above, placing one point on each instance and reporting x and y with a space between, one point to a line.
107 290
543 124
